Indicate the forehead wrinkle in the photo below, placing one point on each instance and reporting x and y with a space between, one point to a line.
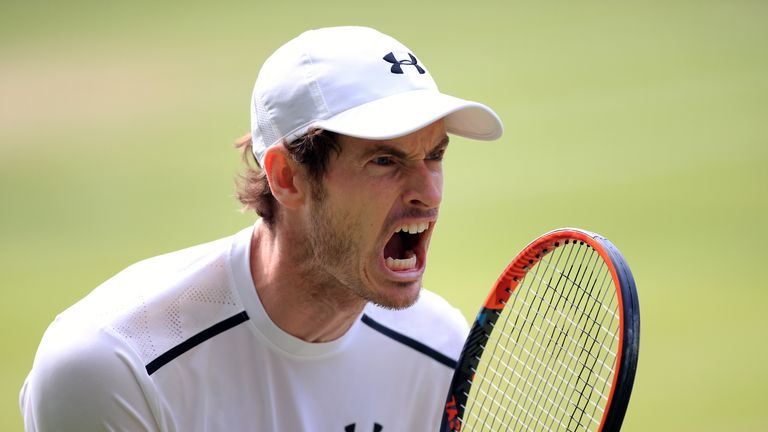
393 148
383 147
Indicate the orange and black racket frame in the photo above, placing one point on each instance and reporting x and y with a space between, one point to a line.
629 331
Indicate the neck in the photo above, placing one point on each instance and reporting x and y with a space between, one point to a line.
300 298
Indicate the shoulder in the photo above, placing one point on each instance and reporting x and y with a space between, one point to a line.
91 362
159 302
152 278
431 321
85 380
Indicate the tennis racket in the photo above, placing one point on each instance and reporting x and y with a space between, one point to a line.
555 346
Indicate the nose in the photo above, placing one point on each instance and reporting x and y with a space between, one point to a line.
425 187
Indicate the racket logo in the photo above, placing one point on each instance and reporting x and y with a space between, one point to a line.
397 65
453 421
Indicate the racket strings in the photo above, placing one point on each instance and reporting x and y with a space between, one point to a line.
574 344
502 355
521 322
552 352
560 340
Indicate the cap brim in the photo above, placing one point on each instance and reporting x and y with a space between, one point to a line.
404 113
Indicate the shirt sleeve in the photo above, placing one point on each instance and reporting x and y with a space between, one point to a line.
89 382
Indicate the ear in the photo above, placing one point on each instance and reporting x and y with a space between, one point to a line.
286 181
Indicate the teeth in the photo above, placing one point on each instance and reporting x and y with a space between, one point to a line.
402 264
414 228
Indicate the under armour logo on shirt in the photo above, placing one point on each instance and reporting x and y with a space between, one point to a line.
376 427
397 65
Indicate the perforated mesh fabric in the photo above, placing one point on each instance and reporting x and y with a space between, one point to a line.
269 132
200 297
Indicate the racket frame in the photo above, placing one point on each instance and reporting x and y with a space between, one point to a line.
629 325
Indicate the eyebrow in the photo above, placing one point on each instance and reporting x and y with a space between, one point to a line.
393 150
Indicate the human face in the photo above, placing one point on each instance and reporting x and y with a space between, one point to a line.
370 191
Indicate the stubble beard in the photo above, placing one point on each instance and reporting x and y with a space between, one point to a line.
336 256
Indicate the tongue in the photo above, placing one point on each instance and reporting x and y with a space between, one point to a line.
394 247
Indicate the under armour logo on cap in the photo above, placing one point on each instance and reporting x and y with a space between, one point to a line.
397 65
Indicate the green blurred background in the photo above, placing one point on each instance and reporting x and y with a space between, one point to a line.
644 121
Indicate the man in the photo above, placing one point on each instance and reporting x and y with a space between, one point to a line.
314 318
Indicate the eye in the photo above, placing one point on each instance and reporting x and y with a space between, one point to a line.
436 155
382 160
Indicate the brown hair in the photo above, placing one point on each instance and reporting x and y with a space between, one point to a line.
312 150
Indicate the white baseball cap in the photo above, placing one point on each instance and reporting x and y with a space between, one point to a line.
358 82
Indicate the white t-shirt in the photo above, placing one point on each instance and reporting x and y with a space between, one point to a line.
181 342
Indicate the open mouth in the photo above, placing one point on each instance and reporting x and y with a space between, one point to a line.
400 252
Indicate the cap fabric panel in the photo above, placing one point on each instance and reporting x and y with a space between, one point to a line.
355 81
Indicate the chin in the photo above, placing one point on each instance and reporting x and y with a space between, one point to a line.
401 296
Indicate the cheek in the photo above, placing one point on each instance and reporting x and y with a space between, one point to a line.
363 203
366 196
370 216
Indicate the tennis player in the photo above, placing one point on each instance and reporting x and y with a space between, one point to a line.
313 319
